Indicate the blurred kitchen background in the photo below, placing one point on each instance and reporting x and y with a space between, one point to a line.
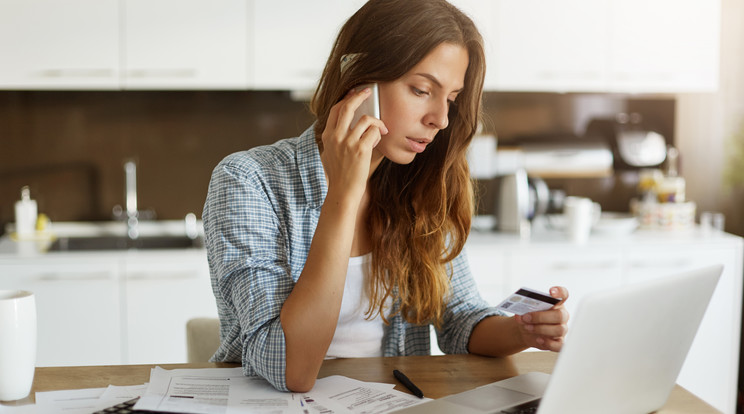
83 92
587 95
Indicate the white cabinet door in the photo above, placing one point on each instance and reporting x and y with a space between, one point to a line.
489 269
482 12
185 44
664 45
551 45
581 269
710 370
607 45
59 44
163 292
77 310
291 40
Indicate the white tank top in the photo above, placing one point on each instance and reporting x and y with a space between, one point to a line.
356 337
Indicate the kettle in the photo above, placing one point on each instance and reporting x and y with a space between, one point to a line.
522 198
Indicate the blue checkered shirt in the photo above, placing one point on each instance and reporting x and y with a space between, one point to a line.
260 215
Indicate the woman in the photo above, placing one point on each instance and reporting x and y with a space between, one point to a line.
347 241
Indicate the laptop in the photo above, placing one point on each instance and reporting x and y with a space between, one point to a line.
623 353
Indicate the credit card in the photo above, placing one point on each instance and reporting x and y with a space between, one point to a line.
527 300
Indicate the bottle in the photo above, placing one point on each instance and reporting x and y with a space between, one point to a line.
25 214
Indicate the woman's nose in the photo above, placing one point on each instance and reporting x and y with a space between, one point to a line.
438 115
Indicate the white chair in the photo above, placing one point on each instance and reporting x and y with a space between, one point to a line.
202 338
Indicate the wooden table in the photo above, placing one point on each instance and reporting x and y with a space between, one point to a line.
437 376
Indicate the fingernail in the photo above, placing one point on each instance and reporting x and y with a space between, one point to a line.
527 318
529 327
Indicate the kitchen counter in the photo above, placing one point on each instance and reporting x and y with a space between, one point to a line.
143 298
103 307
38 247
544 237
502 263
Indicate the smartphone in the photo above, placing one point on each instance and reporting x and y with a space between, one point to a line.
370 106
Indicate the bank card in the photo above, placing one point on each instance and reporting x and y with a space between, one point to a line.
527 300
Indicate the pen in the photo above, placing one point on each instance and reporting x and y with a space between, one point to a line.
408 384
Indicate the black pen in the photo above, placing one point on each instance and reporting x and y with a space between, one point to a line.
408 384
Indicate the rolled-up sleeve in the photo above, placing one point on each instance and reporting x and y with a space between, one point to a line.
248 259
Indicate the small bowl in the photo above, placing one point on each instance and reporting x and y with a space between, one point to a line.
615 223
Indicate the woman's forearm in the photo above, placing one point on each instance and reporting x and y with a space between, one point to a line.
310 313
496 336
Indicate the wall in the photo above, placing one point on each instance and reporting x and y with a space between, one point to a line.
70 146
707 122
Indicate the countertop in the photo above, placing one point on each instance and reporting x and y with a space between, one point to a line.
538 237
36 248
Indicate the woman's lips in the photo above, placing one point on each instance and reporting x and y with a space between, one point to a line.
417 145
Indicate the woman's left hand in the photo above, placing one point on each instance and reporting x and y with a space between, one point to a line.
546 329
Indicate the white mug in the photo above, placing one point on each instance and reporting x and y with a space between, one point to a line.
580 215
17 343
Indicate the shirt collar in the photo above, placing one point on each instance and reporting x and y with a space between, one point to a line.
311 169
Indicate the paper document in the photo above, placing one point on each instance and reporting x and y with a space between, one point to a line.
83 401
228 391
338 394
214 391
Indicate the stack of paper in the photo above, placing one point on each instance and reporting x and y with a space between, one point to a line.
227 391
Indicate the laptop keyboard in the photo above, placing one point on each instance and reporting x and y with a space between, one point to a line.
122 408
530 407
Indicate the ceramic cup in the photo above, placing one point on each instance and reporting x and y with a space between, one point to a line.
579 214
17 343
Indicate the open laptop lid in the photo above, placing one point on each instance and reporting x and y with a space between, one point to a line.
626 346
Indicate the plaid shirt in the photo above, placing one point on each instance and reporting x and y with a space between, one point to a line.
260 215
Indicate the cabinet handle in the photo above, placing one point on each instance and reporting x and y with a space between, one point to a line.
68 277
162 73
76 73
162 276
603 265
581 76
655 263
659 78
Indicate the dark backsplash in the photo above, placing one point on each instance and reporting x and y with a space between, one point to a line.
69 147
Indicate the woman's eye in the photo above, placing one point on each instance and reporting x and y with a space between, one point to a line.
418 92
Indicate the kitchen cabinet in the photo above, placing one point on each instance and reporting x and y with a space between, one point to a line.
724 312
581 271
59 45
162 293
501 263
550 46
606 46
185 44
77 308
664 45
531 45
481 13
127 44
112 307
290 47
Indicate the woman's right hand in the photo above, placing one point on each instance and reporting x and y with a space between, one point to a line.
347 150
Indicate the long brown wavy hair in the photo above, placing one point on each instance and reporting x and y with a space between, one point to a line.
419 213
